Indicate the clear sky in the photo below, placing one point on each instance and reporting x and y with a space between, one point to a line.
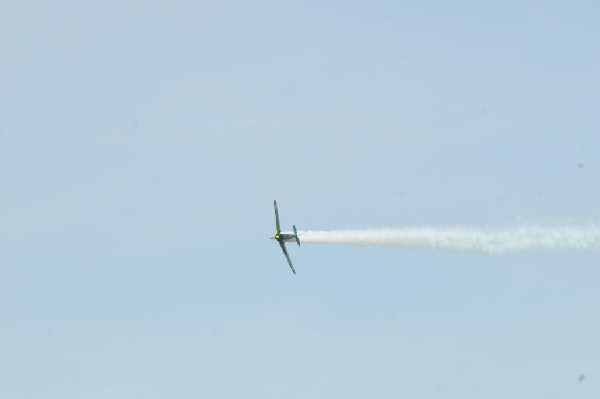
143 142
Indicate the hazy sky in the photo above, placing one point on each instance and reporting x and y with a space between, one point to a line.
142 144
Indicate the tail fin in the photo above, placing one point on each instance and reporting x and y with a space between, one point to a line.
296 234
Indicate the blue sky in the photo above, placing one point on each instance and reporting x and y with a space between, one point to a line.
142 145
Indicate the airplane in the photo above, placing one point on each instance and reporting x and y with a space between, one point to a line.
285 236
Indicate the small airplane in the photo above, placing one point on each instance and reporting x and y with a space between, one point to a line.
285 236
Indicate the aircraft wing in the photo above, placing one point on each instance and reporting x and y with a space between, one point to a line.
277 229
287 256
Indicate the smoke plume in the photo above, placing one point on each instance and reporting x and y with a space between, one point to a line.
487 240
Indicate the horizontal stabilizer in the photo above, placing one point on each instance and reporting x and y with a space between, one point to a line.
296 234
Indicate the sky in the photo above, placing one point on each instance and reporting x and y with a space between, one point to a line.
142 145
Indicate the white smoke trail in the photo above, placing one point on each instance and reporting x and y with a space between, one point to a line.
488 240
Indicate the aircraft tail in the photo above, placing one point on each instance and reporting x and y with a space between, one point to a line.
296 234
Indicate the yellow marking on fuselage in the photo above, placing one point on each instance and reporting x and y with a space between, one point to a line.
277 237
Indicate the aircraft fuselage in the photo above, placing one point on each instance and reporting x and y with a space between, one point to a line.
285 236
